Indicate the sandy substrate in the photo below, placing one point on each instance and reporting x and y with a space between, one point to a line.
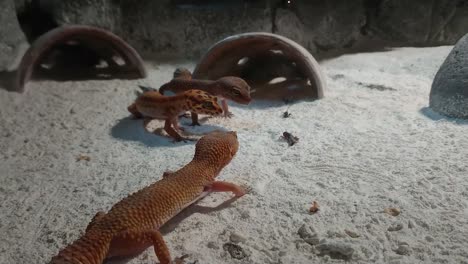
370 144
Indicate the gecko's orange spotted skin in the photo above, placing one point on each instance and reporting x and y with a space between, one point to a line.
202 102
153 105
132 224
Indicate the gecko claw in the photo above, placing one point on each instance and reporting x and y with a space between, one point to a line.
243 190
247 188
181 259
186 115
228 114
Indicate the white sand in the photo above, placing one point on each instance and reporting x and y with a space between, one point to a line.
361 150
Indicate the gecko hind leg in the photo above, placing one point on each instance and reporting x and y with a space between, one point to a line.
133 110
173 132
133 242
175 124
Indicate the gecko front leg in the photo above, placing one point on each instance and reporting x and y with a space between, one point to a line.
225 107
171 131
222 186
175 124
132 242
194 119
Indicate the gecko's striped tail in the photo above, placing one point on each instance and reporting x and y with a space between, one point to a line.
91 248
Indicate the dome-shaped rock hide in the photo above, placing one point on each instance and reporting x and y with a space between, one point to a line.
276 67
449 92
74 52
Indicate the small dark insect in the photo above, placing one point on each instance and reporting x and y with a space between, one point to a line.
314 208
289 138
83 157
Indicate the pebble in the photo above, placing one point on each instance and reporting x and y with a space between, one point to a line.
352 233
212 245
392 211
403 249
235 251
410 224
395 227
308 234
236 238
429 239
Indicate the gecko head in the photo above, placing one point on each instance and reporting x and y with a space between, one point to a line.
235 89
201 102
217 148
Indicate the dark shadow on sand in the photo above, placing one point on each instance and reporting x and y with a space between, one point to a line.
131 129
7 80
431 114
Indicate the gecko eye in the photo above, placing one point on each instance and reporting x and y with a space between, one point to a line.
208 105
235 92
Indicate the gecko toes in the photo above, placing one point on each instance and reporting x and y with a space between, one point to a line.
228 115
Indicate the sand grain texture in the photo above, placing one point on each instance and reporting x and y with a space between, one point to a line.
361 150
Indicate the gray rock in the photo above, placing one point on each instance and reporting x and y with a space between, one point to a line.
163 28
324 25
102 13
417 21
449 92
12 40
